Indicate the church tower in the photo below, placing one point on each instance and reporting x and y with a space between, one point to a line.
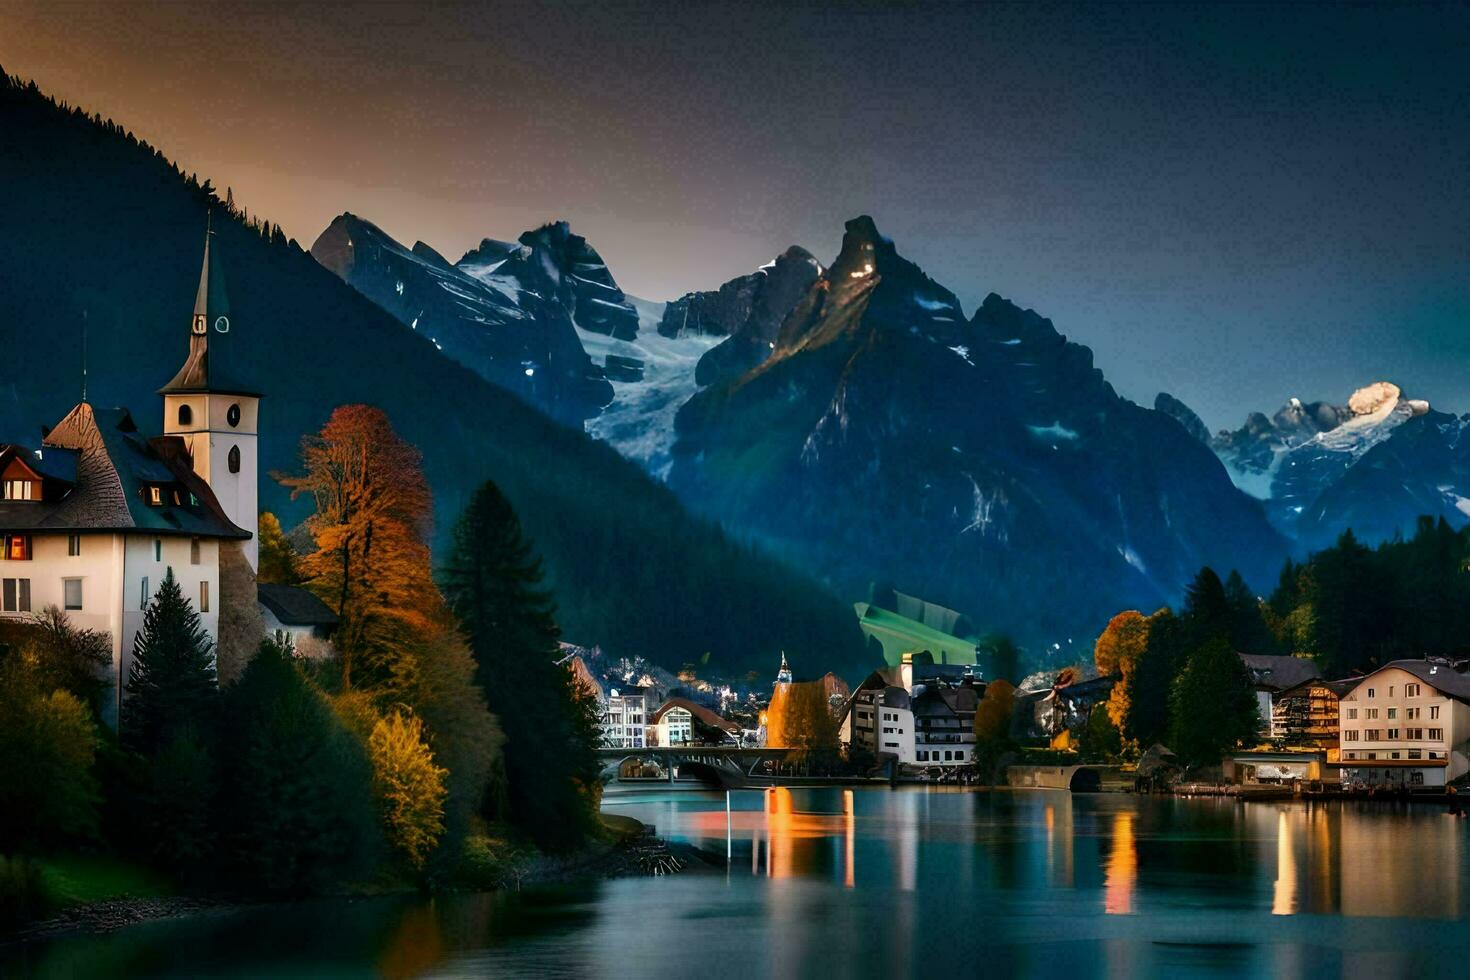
216 415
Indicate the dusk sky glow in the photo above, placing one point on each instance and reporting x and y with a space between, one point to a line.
1235 204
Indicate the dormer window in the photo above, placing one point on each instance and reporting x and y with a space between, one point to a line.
22 490
155 496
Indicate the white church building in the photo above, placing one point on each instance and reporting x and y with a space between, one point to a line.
94 516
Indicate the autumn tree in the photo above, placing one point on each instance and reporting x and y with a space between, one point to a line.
371 528
1117 653
992 726
278 561
171 688
409 786
493 582
800 719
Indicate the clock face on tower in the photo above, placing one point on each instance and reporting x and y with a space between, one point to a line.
222 324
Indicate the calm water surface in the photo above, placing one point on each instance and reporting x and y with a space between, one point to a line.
906 882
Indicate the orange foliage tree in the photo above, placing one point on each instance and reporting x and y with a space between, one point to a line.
1117 653
371 528
798 718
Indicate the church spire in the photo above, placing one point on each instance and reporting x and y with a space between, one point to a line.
211 316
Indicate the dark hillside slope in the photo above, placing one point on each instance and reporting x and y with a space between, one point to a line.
93 222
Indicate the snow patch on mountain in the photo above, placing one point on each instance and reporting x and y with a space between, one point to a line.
640 421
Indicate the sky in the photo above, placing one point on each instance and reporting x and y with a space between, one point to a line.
1232 203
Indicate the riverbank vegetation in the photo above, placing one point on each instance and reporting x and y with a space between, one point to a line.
375 763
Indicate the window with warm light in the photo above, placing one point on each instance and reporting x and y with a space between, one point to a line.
17 547
155 496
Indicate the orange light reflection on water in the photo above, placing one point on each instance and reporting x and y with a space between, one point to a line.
1122 872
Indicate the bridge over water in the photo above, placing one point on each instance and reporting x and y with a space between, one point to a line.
687 766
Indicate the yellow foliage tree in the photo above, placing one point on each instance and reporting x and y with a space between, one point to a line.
993 714
410 787
798 718
1116 654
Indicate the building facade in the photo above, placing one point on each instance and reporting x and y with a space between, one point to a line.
1406 724
919 714
94 517
625 718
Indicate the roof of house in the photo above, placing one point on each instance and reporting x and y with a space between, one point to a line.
1279 673
114 467
1437 674
1339 688
697 710
295 606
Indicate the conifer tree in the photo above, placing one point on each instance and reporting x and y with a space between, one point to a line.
493 583
1212 706
171 688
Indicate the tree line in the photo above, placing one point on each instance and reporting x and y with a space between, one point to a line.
440 716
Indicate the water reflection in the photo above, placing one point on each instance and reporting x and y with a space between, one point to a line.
838 882
1122 868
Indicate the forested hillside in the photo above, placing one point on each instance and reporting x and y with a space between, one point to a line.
101 231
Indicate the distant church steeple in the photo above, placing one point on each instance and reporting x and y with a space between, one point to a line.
783 676
216 416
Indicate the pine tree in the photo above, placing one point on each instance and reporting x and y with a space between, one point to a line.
493 583
1146 717
1212 706
171 688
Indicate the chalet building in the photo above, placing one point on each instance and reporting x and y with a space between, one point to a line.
1306 715
1270 676
94 515
679 721
1406 724
921 714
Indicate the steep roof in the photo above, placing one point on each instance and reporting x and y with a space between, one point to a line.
211 317
114 467
1437 674
697 710
1279 673
294 605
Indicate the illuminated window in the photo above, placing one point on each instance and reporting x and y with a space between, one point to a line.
21 490
234 459
71 589
155 496
186 415
17 547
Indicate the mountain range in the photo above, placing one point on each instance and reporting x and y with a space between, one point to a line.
1375 464
100 261
710 478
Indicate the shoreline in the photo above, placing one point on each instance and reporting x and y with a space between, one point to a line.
631 855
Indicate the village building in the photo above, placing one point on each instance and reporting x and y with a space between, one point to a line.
1306 715
298 617
96 514
1270 676
679 721
917 713
625 714
1406 724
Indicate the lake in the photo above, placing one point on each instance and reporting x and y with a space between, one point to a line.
898 882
